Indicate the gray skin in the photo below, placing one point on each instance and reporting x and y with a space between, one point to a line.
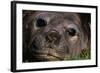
56 35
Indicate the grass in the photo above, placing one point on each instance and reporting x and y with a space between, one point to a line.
85 54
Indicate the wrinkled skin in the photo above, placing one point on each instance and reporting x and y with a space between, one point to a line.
56 35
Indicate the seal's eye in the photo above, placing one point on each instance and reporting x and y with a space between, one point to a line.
71 32
41 22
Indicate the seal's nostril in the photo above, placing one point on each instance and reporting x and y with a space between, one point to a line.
52 36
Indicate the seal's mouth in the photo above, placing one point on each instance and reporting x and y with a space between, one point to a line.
50 55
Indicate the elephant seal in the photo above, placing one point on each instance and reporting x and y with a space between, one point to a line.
51 36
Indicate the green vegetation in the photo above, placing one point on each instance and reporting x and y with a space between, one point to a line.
85 54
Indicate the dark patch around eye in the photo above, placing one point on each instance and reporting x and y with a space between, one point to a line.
71 32
41 22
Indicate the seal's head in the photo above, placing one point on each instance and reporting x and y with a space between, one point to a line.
55 35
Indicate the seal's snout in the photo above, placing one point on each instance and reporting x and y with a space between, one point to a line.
53 36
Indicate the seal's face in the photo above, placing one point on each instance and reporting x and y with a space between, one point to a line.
55 36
